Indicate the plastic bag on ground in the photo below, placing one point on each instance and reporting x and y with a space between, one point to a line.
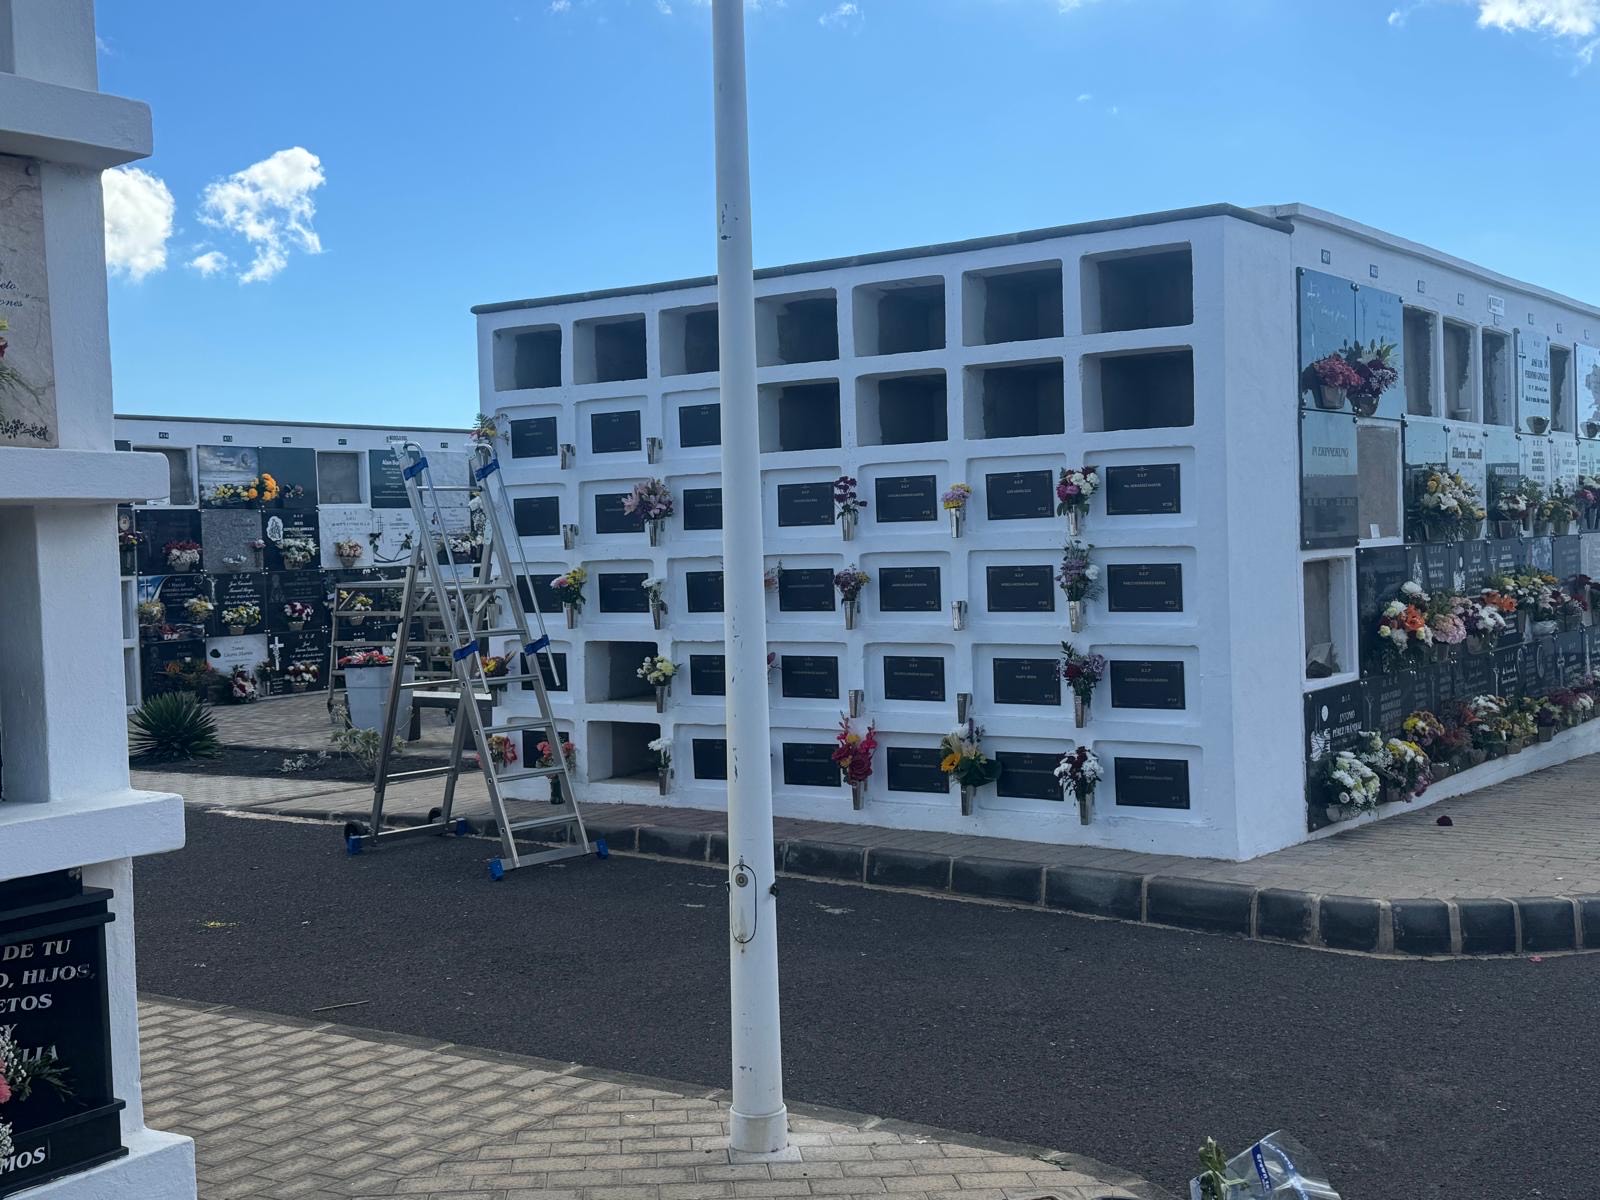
1277 1167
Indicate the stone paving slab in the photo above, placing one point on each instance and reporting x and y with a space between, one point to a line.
283 1109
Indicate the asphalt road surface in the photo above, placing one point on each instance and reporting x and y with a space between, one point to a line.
1461 1080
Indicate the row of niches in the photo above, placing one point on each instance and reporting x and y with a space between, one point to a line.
1129 490
1366 351
1365 481
1149 288
906 767
1128 390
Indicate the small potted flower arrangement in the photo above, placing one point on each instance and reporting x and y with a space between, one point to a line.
1331 378
1560 509
1375 369
302 675
964 760
503 750
1078 772
850 581
128 543
1587 496
1079 579
569 588
655 589
241 617
853 756
258 549
198 609
955 503
658 670
242 686
1083 673
182 554
297 550
355 605
1487 618
1075 488
349 551
1534 495
547 760
152 612
297 613
849 505
496 668
1428 733
1448 507
1509 510
662 748
1404 633
1350 786
1445 620
651 501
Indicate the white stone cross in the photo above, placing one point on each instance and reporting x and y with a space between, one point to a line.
276 646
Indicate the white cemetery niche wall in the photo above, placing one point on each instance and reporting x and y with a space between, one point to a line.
910 375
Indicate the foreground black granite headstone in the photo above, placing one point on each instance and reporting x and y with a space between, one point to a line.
704 591
915 769
710 758
913 677
1021 589
1151 489
810 764
1151 782
1027 775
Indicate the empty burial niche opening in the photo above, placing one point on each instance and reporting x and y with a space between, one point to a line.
799 416
1458 404
609 349
1327 617
1144 390
1014 304
1497 406
1138 289
797 329
527 358
612 671
893 410
1378 481
1418 337
621 750
900 318
1561 415
1021 400
689 340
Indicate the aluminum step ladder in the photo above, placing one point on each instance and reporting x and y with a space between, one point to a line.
485 604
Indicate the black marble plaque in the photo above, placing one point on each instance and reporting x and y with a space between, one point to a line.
1541 666
154 658
708 675
915 769
805 504
1151 782
1566 557
702 508
1019 495
1020 589
306 587
610 518
1506 556
1146 683
1035 681
1328 504
386 485
1390 699
537 588
909 589
704 589
700 425
1475 676
1144 587
1027 775
161 526
1474 566
906 498
534 437
615 432
554 681
1572 658
710 758
237 589
913 677
1439 563
1508 675
1151 489
810 676
295 525
295 470
1333 718
806 589
1541 553
810 764
537 516
622 592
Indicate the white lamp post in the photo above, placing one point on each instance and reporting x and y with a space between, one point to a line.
760 1122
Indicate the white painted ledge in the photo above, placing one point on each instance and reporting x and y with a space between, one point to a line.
71 125
35 838
158 1166
34 476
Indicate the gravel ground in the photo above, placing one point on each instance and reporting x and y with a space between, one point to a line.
1458 1080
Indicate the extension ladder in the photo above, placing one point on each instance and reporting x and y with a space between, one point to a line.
472 610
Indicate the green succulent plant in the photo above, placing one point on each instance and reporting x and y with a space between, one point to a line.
171 727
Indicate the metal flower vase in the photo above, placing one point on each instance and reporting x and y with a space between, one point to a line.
1080 711
1074 521
1330 397
661 696
1075 615
958 519
847 525
571 611
657 611
657 528
1085 808
968 795
958 615
850 613
858 795
663 780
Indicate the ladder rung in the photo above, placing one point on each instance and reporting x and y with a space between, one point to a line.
519 724
504 776
450 487
483 633
543 822
423 773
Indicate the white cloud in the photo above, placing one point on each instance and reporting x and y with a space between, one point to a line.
1085 97
560 6
210 263
139 212
845 15
663 8
269 204
1563 18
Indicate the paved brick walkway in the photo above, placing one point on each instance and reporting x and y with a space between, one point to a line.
287 1110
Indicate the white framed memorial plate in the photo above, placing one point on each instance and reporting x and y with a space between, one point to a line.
27 360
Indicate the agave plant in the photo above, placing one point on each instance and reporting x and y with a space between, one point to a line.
172 726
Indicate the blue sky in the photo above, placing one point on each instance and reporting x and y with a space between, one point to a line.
346 179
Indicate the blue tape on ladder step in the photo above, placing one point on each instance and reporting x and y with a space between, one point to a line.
488 468
466 652
415 468
535 647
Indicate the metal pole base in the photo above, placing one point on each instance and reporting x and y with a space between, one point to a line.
758 1135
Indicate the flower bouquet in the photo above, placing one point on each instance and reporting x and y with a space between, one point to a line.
853 756
363 659
658 670
349 551
1587 496
966 762
655 590
1083 673
849 505
242 686
1560 509
297 550
569 588
850 581
1404 633
1510 510
662 748
198 609
356 605
20 1071
152 612
1375 367
496 667
128 543
297 613
302 675
651 502
503 749
1445 620
1487 618
955 503
182 555
1074 490
1331 377
241 617
1078 772
1448 507
1350 787
1079 579
547 759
